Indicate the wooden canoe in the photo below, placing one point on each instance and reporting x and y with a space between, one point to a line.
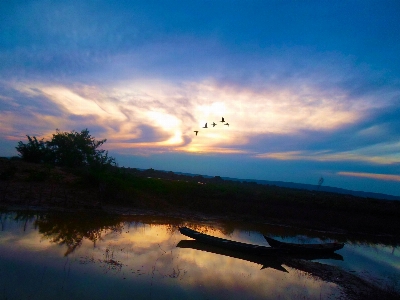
302 248
229 244
276 248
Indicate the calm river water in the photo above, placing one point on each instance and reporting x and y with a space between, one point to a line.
73 256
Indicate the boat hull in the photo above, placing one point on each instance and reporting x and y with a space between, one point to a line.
277 248
229 244
305 248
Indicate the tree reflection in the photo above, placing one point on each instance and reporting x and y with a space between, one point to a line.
25 217
72 229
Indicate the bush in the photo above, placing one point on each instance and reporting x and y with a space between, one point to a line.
70 149
34 151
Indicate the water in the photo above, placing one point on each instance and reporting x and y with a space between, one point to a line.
70 256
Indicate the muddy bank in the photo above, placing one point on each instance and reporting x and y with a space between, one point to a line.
353 286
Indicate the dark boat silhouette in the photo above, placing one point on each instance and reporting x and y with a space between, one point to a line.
305 248
279 248
228 244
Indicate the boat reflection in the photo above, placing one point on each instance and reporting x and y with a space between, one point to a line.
273 261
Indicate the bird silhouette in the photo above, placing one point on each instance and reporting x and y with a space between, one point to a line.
205 126
227 124
223 120
196 131
213 124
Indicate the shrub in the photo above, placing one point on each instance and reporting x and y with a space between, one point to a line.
34 151
70 149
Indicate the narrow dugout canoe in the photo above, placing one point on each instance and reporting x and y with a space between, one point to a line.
229 244
276 246
304 248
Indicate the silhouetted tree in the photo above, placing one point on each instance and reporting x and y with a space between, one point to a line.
71 149
34 151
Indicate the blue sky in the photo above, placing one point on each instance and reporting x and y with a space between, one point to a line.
309 88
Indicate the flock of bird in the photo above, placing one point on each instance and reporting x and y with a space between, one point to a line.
213 125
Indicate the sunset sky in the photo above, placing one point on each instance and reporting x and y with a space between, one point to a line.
309 88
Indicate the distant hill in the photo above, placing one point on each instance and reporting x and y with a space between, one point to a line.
309 187
329 189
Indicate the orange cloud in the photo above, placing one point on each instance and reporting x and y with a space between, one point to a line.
386 177
325 156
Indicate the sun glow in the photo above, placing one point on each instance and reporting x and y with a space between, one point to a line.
163 120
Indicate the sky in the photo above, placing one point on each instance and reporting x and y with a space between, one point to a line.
310 89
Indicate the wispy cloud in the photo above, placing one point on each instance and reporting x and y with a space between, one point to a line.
385 177
329 156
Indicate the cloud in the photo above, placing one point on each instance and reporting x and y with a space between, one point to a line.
161 114
385 177
143 87
328 155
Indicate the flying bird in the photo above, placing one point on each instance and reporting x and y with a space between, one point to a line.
196 131
213 124
205 126
223 120
227 124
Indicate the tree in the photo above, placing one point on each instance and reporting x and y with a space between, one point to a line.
70 149
34 151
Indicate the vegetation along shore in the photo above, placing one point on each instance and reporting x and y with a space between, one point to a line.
51 174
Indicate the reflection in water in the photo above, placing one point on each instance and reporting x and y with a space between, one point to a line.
265 261
274 262
71 229
68 256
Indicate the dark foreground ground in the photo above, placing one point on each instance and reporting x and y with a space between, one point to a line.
38 185
126 191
